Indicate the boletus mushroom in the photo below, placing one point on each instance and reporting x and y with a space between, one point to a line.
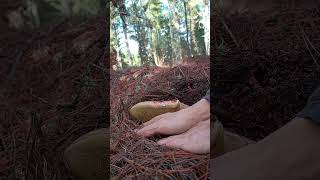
145 111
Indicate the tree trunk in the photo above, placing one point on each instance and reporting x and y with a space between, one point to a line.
206 26
119 60
127 44
187 29
123 11
192 34
142 43
157 53
177 40
140 29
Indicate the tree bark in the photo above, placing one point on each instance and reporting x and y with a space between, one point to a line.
119 60
123 12
206 26
187 29
127 42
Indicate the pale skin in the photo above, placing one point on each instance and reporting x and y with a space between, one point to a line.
195 140
190 128
291 152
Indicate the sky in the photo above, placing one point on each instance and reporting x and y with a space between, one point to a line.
134 47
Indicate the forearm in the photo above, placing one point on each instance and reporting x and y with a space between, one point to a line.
291 152
312 109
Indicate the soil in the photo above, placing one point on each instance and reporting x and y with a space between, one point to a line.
54 90
265 66
136 157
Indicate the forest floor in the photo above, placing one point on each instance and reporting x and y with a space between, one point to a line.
55 89
265 67
136 157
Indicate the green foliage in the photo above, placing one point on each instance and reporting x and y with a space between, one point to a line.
159 28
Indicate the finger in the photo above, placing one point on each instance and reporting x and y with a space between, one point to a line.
152 120
172 141
148 131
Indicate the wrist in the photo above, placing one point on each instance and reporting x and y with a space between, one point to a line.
199 111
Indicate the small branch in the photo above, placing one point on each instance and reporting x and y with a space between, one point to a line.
229 31
304 36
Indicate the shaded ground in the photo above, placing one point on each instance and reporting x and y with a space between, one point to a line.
53 91
136 157
265 67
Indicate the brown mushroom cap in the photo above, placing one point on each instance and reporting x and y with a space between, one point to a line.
145 111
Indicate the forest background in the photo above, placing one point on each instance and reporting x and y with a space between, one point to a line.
158 32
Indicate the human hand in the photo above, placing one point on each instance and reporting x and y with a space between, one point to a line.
176 122
195 140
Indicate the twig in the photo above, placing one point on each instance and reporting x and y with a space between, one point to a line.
229 31
304 36
208 78
182 73
175 95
